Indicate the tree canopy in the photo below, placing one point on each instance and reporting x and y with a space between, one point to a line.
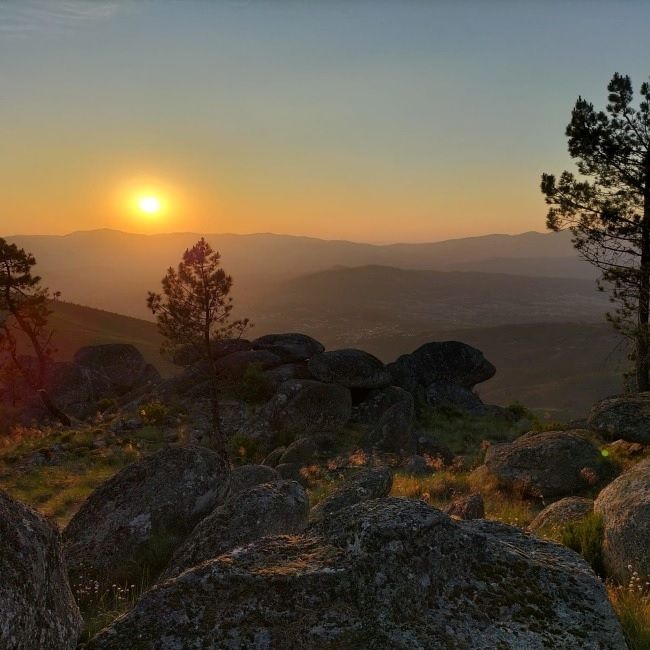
607 205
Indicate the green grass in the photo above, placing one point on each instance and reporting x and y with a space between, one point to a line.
466 434
72 464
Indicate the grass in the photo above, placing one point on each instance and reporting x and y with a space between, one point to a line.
442 487
632 606
54 470
465 434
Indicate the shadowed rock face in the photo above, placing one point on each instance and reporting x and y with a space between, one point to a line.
279 508
148 505
351 368
305 406
289 347
624 506
624 416
248 476
552 463
448 362
37 608
388 573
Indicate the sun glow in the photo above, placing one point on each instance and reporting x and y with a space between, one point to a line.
149 204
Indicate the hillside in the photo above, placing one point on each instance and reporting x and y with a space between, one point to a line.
75 326
351 303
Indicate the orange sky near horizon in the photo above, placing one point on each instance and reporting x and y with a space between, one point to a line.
378 122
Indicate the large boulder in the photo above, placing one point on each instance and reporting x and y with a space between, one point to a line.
624 416
143 512
548 464
365 484
450 362
279 508
37 608
351 368
559 514
289 347
624 506
387 573
305 406
115 368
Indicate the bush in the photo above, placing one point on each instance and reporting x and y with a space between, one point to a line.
106 404
586 537
243 448
154 412
254 386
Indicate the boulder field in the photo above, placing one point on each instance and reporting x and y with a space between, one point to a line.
383 573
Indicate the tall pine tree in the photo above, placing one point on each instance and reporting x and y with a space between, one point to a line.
607 208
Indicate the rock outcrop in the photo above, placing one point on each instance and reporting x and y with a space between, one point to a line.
351 368
145 510
625 416
386 573
37 608
449 362
290 347
548 464
364 485
624 506
560 513
279 508
305 407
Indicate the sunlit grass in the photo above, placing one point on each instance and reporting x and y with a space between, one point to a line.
632 606
54 470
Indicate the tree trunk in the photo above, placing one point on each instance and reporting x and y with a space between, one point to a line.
642 351
53 409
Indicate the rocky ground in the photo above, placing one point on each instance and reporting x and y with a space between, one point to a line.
365 506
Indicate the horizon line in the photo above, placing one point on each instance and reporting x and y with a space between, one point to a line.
275 234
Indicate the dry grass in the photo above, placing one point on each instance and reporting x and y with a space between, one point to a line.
632 606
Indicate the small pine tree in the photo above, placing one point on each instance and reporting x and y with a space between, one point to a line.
195 308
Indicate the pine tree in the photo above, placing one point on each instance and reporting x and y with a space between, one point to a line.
607 209
24 313
195 308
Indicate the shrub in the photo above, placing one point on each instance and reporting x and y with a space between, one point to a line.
243 448
254 386
106 404
154 412
586 537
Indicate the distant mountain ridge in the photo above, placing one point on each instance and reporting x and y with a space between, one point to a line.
112 270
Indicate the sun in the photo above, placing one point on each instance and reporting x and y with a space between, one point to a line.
149 204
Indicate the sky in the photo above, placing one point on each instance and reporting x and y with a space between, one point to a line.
372 121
